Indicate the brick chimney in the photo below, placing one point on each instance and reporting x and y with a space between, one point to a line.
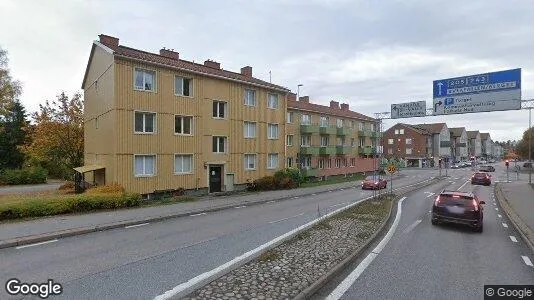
109 41
212 64
292 97
169 53
334 104
247 71
344 106
305 99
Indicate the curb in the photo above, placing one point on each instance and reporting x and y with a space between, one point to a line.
84 230
526 233
312 289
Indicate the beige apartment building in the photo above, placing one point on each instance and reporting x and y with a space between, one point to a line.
158 122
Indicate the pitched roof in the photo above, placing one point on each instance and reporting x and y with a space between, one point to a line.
457 131
152 58
432 128
484 135
327 110
408 126
472 134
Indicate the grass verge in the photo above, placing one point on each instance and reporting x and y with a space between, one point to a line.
356 177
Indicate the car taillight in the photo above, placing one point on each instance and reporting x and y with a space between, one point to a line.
437 201
475 205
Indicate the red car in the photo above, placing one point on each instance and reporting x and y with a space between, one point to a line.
374 183
481 178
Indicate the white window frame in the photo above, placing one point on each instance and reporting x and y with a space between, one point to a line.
144 122
308 118
191 126
338 163
277 103
225 144
390 150
192 163
289 117
324 121
246 129
409 151
411 141
353 162
289 162
269 131
329 163
391 141
340 141
191 94
155 83
361 142
360 126
396 131
339 123
218 109
302 138
321 163
155 165
246 99
306 161
288 142
269 161
246 162
401 131
324 138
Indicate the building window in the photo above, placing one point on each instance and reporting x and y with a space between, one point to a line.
340 141
219 144
344 162
329 163
289 140
352 124
145 122
249 129
96 123
272 131
360 126
183 86
321 163
362 141
305 140
390 141
338 162
408 141
183 164
401 131
289 117
145 165
352 142
219 109
306 161
352 162
396 131
339 123
390 151
145 80
250 97
324 121
408 150
272 101
324 141
183 125
289 162
305 120
272 161
250 161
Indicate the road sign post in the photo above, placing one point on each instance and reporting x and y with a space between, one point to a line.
390 170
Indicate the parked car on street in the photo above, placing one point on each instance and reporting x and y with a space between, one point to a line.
460 208
481 178
374 183
527 165
486 169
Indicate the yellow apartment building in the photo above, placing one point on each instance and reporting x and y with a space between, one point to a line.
157 122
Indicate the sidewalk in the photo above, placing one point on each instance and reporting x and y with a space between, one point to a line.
519 206
25 232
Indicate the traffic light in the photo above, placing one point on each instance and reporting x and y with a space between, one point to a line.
440 162
507 164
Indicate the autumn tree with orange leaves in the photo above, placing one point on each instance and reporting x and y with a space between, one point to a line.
57 136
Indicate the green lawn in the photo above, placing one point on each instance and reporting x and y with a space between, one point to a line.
356 177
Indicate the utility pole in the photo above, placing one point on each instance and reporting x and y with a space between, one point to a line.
530 145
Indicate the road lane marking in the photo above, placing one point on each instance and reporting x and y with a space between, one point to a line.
36 244
242 206
411 227
314 194
430 195
272 201
353 276
272 222
338 204
454 182
527 261
196 215
340 189
136 225
463 185
497 209
457 178
504 225
296 197
498 215
330 191
513 239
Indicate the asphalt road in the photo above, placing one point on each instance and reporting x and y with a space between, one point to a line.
422 261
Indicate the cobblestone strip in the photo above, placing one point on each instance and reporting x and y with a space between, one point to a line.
283 272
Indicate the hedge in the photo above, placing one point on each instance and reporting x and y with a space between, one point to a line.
47 206
32 175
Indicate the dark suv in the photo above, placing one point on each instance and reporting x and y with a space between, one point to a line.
481 178
460 208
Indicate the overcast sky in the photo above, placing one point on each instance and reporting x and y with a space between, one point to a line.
367 53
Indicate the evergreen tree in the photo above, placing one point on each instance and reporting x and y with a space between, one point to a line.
13 136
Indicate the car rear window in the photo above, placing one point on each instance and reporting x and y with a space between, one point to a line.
456 200
480 175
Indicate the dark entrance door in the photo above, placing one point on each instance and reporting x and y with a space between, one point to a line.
215 179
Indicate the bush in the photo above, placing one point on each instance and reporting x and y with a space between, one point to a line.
32 175
39 207
292 173
287 183
106 189
69 185
266 183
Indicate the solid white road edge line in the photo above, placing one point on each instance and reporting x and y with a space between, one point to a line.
137 225
513 239
36 244
349 280
527 260
196 215
272 222
242 206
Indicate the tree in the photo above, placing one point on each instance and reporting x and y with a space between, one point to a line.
57 135
9 89
522 146
13 136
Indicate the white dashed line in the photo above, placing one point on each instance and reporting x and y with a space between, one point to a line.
272 201
340 189
499 216
242 206
330 191
496 209
527 260
504 225
314 194
137 225
513 239
296 197
36 244
430 195
272 222
411 227
463 185
454 182
338 204
196 215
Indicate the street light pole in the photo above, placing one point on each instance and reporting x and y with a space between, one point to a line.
529 145
299 156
